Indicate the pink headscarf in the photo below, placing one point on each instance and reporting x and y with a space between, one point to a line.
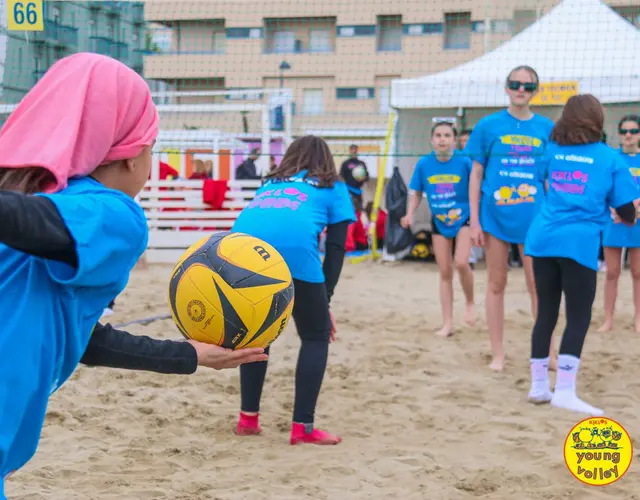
87 110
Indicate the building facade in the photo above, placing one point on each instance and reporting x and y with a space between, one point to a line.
339 56
116 29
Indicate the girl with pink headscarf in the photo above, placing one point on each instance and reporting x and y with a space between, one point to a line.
80 141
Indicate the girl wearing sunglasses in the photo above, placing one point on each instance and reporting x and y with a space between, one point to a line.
618 236
506 191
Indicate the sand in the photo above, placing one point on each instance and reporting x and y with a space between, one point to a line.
421 416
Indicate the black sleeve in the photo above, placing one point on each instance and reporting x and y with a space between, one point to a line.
32 224
117 349
343 168
366 170
627 212
334 254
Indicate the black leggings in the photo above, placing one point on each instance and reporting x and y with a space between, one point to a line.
311 316
553 276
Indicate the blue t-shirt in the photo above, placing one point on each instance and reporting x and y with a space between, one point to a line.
510 150
584 181
49 309
290 215
446 185
621 235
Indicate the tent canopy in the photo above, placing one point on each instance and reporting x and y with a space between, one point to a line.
578 40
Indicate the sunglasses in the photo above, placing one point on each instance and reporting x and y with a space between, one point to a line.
528 86
632 131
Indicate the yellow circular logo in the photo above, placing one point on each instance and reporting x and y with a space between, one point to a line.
598 451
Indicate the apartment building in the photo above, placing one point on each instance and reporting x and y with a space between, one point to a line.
338 56
116 29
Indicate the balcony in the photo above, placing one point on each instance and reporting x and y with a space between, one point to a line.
299 35
137 13
37 74
137 59
109 47
113 8
58 34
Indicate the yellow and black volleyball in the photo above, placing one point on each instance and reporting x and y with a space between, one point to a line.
232 290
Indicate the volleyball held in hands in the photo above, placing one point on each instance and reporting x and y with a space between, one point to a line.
232 290
359 173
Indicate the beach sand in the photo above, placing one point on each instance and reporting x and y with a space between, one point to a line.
421 417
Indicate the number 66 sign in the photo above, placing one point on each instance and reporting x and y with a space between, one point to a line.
25 15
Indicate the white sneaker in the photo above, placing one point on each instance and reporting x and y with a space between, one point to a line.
568 400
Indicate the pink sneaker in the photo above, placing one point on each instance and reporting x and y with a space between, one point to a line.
248 425
306 433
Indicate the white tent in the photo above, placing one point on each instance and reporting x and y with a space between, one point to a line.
579 40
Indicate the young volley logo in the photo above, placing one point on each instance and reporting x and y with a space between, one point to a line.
598 451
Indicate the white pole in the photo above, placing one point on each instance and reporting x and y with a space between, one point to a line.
183 163
288 121
265 148
216 158
155 167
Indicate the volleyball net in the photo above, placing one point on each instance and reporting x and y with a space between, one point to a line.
243 78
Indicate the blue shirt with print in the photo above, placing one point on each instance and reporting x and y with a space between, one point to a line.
290 215
621 235
584 181
50 308
446 185
510 150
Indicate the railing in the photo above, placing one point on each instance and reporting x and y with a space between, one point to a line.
113 8
37 74
109 47
137 57
65 35
138 13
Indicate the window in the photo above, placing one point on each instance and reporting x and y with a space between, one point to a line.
219 40
284 42
385 101
522 19
630 13
349 31
389 33
320 41
355 93
500 26
457 30
312 102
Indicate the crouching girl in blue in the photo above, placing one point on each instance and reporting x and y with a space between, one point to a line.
301 197
73 154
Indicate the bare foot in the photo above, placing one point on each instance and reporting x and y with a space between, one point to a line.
497 364
608 326
553 363
470 315
446 331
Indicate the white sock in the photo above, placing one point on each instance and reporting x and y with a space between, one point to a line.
565 393
540 391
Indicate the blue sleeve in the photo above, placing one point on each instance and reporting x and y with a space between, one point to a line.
624 188
469 165
340 205
110 233
477 145
417 178
543 164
